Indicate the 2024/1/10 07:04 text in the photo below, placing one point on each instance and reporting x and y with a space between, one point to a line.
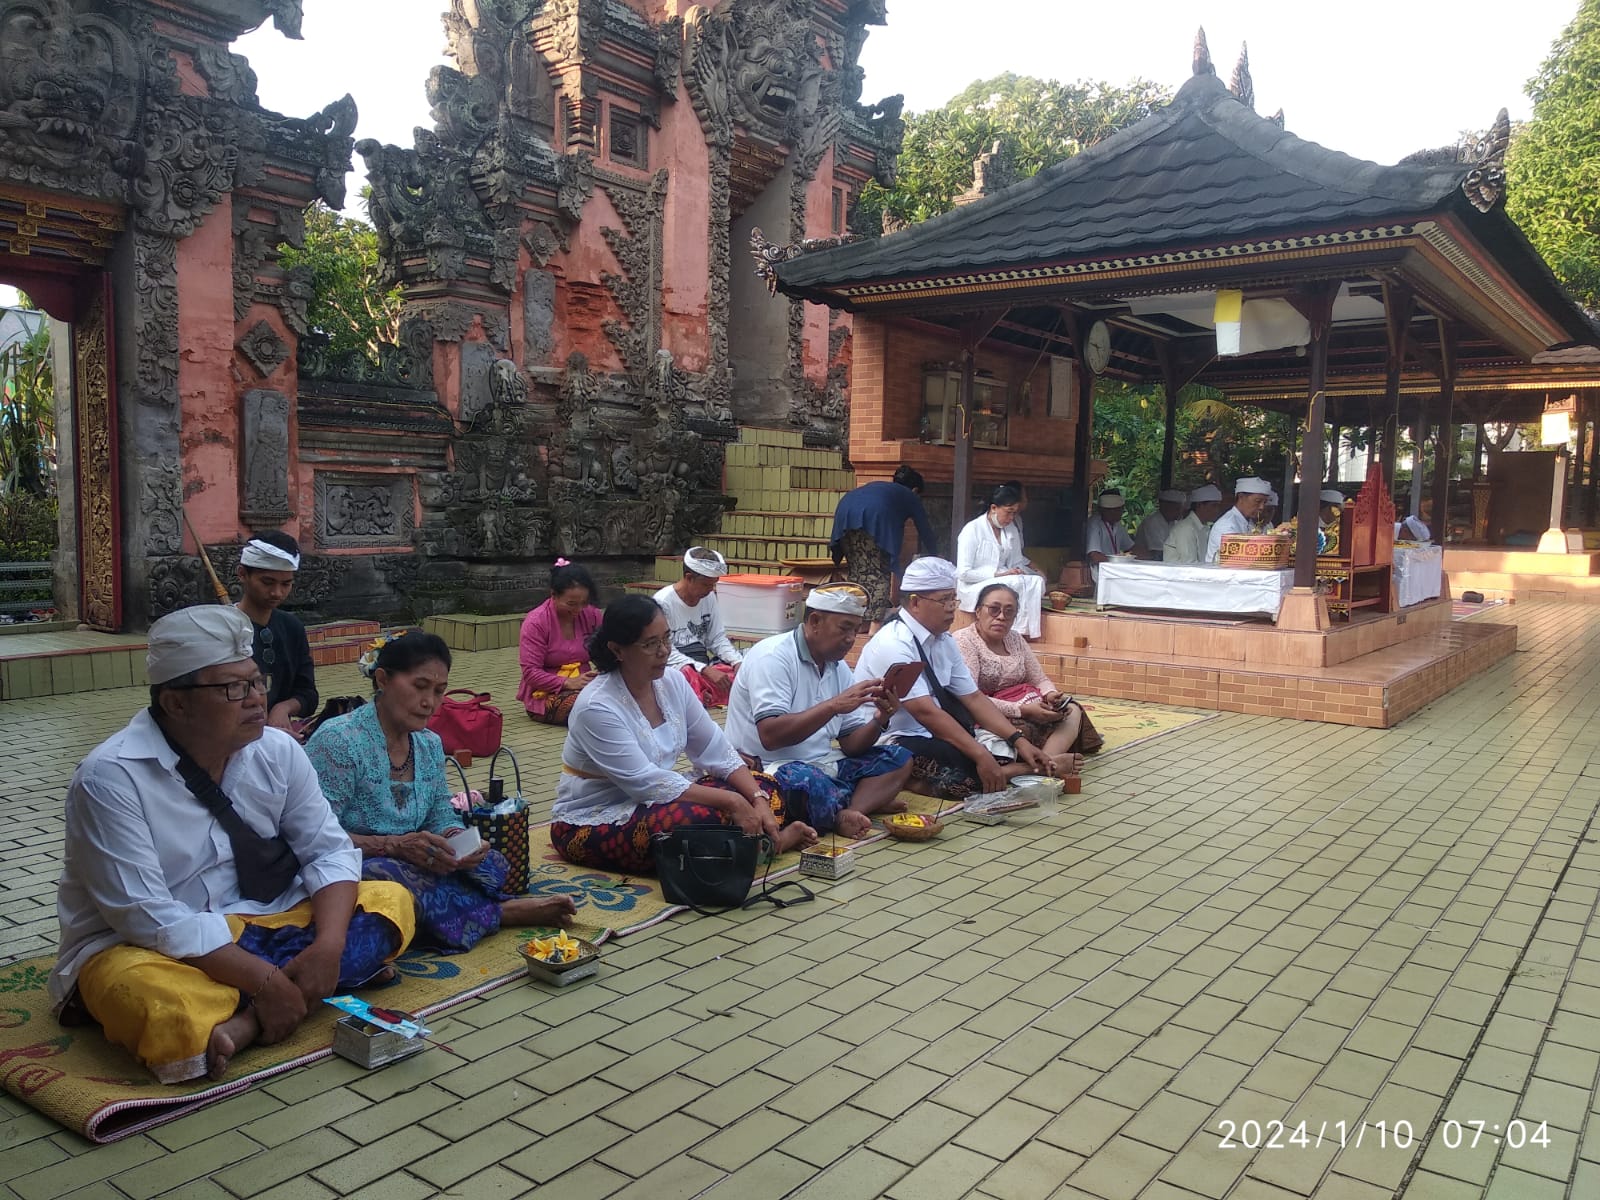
1453 1134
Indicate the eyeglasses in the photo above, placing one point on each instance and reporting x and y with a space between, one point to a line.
234 690
655 645
995 610
949 601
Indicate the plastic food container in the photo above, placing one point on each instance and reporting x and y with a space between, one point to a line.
761 603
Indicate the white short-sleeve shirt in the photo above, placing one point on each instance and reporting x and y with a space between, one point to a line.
779 677
897 643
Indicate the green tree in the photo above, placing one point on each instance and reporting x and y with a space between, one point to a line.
1039 122
1553 168
350 304
27 415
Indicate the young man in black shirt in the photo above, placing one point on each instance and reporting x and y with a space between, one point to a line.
266 574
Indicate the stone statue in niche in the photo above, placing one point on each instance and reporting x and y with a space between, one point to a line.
361 512
266 456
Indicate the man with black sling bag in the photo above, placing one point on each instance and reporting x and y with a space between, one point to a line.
938 715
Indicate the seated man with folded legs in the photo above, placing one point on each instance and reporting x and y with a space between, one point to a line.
701 648
209 898
795 697
943 708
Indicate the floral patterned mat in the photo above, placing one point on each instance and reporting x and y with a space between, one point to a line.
98 1090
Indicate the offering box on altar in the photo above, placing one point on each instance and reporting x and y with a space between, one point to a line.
1256 551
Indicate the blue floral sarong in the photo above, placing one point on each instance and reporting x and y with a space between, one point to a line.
454 912
812 795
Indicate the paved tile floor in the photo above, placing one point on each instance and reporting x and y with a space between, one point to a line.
1354 944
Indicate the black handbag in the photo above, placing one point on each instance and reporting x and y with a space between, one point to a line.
706 867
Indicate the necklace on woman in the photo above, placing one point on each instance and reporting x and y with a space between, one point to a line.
411 752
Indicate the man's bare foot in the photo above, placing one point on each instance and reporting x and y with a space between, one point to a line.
853 824
796 837
227 1039
543 910
1068 764
894 805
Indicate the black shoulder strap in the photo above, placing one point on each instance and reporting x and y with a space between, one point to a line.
951 704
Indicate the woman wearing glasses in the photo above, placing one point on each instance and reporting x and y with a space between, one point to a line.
1008 672
625 733
382 770
990 549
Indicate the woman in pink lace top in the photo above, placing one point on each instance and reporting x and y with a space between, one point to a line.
1008 672
554 648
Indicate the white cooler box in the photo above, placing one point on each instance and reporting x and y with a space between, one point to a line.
761 603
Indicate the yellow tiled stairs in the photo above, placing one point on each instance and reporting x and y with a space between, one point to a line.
785 497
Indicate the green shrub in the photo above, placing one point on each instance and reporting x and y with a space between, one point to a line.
27 527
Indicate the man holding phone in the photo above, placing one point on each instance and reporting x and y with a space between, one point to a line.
796 713
936 723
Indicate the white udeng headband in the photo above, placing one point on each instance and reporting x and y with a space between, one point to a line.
264 556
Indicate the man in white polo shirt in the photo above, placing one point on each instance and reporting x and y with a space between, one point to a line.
935 721
1187 541
1150 540
1249 500
796 713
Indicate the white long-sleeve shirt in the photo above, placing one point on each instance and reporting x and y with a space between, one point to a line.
698 636
1187 541
1232 521
146 864
982 552
622 761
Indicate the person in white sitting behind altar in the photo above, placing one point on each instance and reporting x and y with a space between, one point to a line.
990 548
1332 504
1187 541
1267 522
1413 529
1106 535
1249 500
1150 540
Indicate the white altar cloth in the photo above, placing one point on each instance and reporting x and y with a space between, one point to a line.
1191 587
1418 574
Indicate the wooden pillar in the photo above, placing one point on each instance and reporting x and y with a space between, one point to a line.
1316 304
1594 459
1444 454
1398 306
1169 439
961 477
1332 473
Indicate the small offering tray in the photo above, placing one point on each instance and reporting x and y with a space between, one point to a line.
582 963
992 808
368 1045
827 861
913 827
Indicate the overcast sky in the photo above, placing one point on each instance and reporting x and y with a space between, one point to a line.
1374 78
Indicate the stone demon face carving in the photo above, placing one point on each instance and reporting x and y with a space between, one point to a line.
68 83
769 57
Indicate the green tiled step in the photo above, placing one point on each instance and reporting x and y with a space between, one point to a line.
768 550
777 524
758 435
783 456
776 479
798 501
469 631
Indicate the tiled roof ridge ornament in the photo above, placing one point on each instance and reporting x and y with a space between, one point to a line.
769 255
1202 54
992 171
1243 86
1485 184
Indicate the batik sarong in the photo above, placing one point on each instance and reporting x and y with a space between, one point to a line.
454 912
814 796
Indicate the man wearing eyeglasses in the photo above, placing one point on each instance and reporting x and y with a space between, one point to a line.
938 716
266 577
209 898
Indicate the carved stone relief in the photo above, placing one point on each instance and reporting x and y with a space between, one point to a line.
538 315
96 473
363 510
263 347
638 249
266 458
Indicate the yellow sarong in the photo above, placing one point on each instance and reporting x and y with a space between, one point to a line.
163 1010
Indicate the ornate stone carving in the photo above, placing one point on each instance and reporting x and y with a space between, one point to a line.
334 126
1242 85
1485 184
70 94
769 257
264 348
638 249
266 458
363 510
155 296
174 582
252 245
1202 55
397 366
488 383
747 61
189 159
230 75
161 504
576 26
576 175
669 56
286 16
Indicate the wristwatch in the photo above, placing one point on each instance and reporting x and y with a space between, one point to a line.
1014 739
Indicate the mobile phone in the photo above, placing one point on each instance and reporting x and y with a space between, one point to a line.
465 842
1061 704
901 678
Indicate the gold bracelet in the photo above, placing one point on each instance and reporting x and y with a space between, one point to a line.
265 979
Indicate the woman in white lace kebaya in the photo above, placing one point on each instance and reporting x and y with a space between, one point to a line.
626 732
990 550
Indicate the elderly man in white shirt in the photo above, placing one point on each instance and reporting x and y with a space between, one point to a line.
1106 535
209 898
1187 541
939 713
701 648
796 713
1249 501
1150 539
